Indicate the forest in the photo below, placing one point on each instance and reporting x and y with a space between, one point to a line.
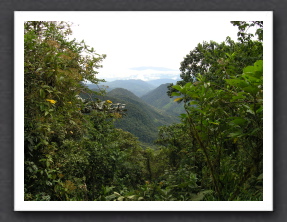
74 151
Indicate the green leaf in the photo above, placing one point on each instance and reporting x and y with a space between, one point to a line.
192 94
187 85
39 69
260 109
258 65
42 107
121 198
175 94
193 102
131 197
248 69
214 123
240 97
251 89
255 131
236 82
236 134
117 194
72 122
177 87
42 93
200 196
111 197
256 70
249 110
183 115
45 142
238 121
260 177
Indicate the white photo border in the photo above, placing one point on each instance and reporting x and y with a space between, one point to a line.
21 205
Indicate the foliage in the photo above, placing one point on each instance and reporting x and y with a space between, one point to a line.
159 99
54 69
243 26
75 151
222 92
68 145
227 125
216 61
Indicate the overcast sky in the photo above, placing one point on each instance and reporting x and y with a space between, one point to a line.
146 45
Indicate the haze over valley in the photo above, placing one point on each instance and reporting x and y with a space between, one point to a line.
147 103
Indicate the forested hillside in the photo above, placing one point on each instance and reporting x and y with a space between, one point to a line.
140 119
159 98
75 152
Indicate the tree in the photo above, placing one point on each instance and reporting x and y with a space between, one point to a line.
223 99
217 61
72 149
243 27
54 69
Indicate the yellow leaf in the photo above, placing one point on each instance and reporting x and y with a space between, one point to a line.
51 101
177 99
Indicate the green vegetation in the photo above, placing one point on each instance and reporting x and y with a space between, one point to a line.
140 119
159 99
75 151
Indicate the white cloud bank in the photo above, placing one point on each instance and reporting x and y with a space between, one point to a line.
149 39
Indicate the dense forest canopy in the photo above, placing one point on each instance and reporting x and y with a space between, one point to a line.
73 151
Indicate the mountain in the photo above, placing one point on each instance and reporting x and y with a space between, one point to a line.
159 99
141 119
158 82
136 86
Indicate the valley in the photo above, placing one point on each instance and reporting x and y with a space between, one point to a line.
144 114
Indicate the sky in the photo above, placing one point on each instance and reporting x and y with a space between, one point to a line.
148 45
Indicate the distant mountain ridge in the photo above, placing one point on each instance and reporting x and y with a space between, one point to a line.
158 82
136 86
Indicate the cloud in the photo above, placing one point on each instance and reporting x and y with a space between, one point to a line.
145 74
153 76
152 68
